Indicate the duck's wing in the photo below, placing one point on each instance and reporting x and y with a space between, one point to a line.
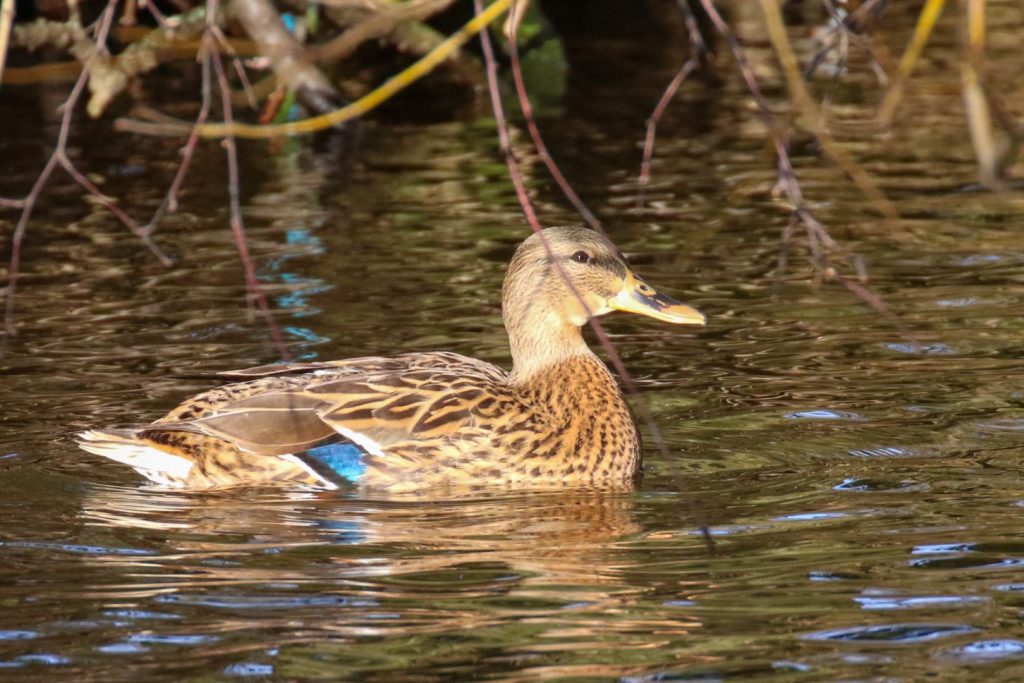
298 421
372 402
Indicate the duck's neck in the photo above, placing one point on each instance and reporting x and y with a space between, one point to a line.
574 396
580 404
540 341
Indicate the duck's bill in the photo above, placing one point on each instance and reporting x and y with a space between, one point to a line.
639 297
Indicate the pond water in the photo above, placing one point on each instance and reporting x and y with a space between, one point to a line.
864 494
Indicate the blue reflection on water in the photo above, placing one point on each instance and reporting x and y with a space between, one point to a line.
298 288
249 669
76 548
824 414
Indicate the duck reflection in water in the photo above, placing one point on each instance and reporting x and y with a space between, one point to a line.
541 537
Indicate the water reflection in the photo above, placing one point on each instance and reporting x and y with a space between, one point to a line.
557 537
864 494
352 570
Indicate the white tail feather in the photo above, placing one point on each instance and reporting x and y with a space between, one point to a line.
157 466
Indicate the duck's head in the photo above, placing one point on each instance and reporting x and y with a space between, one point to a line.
542 309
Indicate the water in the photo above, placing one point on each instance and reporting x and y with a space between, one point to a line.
864 495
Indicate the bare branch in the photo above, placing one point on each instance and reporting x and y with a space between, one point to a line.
255 296
531 126
697 51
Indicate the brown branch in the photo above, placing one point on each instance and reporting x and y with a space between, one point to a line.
59 158
697 51
170 200
531 126
33 195
378 25
111 206
652 126
875 302
236 63
819 241
254 293
817 234
287 56
804 102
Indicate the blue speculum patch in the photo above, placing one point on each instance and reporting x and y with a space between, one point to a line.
344 459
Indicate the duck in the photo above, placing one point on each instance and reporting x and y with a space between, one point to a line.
428 421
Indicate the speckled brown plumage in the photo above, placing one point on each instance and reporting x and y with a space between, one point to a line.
431 420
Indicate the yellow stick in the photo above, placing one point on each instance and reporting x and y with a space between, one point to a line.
976 25
6 20
976 106
371 100
925 24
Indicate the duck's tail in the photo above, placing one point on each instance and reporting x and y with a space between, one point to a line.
183 459
125 446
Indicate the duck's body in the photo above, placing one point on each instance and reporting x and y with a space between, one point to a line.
427 420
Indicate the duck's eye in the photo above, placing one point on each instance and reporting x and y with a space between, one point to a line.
582 257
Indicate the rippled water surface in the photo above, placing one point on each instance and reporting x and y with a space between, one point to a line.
864 494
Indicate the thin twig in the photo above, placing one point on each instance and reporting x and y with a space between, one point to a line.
875 302
236 62
150 6
67 112
170 200
491 68
697 52
652 127
107 203
254 292
817 234
538 141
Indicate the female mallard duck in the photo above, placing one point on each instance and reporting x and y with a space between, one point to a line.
428 420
